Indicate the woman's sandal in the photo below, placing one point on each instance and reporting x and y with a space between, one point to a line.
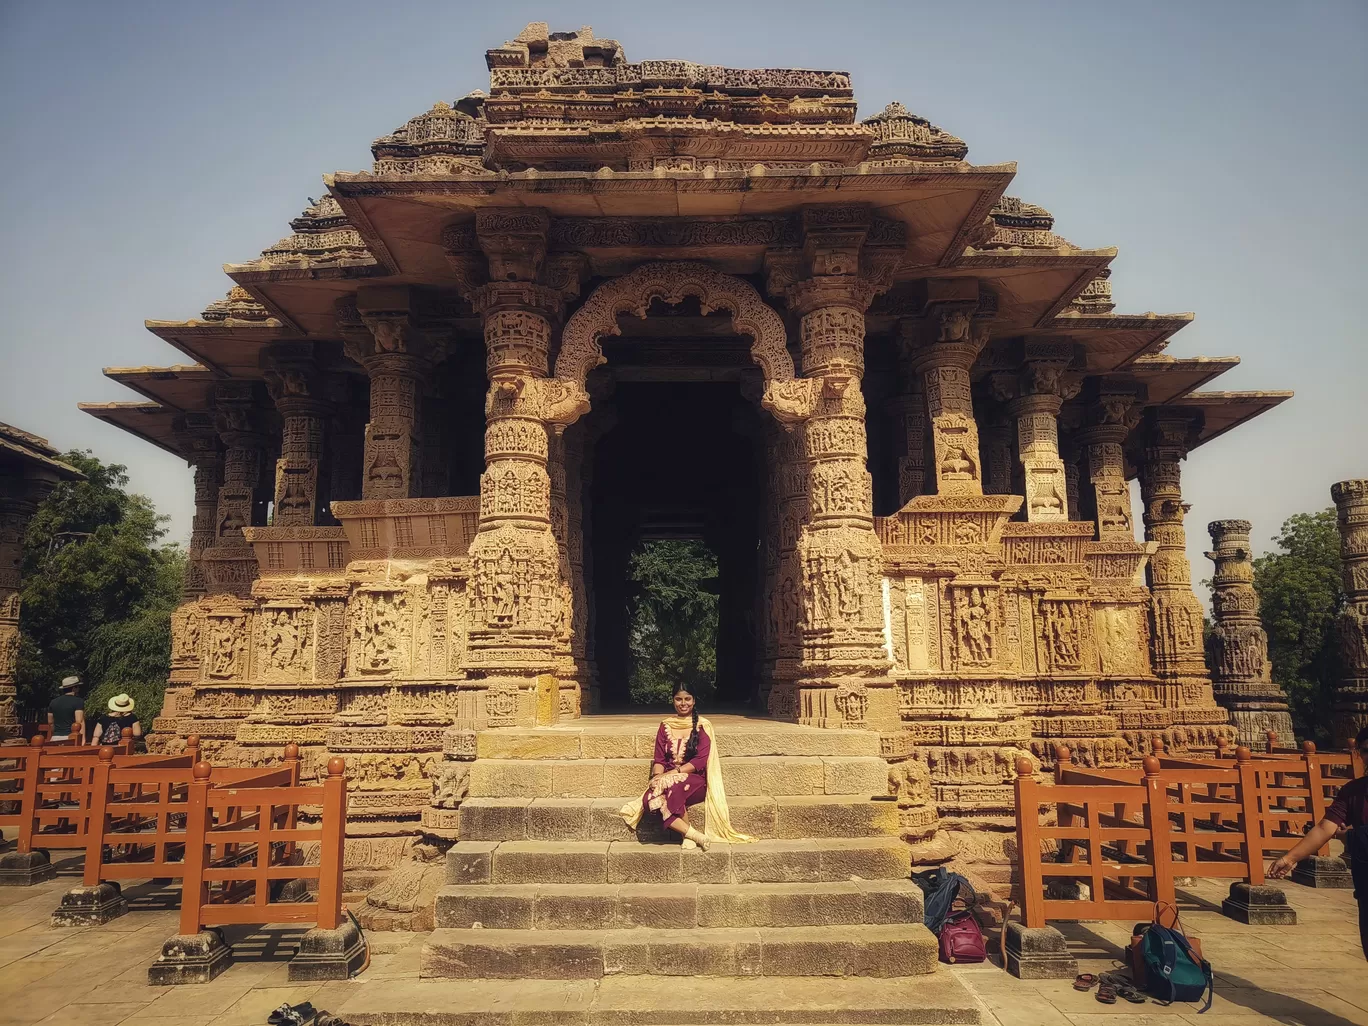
1085 981
1107 994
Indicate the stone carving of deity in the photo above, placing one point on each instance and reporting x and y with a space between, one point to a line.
973 618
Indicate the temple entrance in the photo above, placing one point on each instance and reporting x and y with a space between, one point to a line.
674 468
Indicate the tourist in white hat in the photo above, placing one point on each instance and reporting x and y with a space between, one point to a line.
109 728
66 714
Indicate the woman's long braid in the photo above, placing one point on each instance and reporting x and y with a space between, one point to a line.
691 745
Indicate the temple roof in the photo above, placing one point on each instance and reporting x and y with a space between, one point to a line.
150 421
24 453
664 160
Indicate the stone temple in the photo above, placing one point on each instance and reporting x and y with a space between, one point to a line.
611 301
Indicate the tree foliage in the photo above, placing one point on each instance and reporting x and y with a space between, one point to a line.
98 591
1300 593
673 633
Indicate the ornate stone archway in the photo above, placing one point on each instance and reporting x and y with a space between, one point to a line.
673 281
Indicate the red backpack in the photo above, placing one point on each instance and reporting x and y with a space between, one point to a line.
960 940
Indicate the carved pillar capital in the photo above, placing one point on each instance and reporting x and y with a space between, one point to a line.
513 240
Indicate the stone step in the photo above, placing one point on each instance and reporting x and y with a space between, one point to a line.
679 906
598 819
595 862
939 997
634 738
767 775
883 951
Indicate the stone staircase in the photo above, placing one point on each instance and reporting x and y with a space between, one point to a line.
584 921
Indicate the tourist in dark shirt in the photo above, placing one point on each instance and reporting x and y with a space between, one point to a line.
1348 810
109 728
66 714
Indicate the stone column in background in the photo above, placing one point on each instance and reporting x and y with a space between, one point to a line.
945 349
1241 674
230 564
16 510
910 410
396 357
1351 699
1069 420
1179 656
199 444
1110 419
293 381
1043 390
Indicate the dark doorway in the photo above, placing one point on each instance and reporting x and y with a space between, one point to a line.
684 461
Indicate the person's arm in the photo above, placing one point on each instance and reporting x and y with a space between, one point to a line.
1316 838
51 721
137 728
78 726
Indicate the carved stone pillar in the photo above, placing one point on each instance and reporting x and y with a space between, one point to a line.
997 450
396 357
1036 409
18 503
1110 419
1241 674
230 564
293 381
200 444
1351 699
1069 419
1175 610
572 442
844 674
516 560
946 347
910 410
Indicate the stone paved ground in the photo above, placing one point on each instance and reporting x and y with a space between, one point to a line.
1311 974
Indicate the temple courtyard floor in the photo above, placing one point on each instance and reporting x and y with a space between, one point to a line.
1311 974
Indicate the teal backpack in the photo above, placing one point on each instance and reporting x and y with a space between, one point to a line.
1173 970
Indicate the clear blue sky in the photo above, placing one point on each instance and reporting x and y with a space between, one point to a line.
1220 145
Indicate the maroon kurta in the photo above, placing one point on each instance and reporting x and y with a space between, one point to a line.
678 796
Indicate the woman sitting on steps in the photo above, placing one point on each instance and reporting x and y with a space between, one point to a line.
685 771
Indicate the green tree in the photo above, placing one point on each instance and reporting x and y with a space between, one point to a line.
98 591
1300 593
673 634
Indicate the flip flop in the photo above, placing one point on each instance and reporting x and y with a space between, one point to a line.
1085 981
1106 994
1130 994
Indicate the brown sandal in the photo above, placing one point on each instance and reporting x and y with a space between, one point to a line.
1107 994
1085 981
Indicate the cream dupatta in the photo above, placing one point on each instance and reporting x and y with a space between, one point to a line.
716 815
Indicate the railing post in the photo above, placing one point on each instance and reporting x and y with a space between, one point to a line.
24 867
1028 845
335 949
1063 762
1156 814
330 855
29 802
1249 812
192 748
95 825
95 901
1316 786
194 891
193 955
